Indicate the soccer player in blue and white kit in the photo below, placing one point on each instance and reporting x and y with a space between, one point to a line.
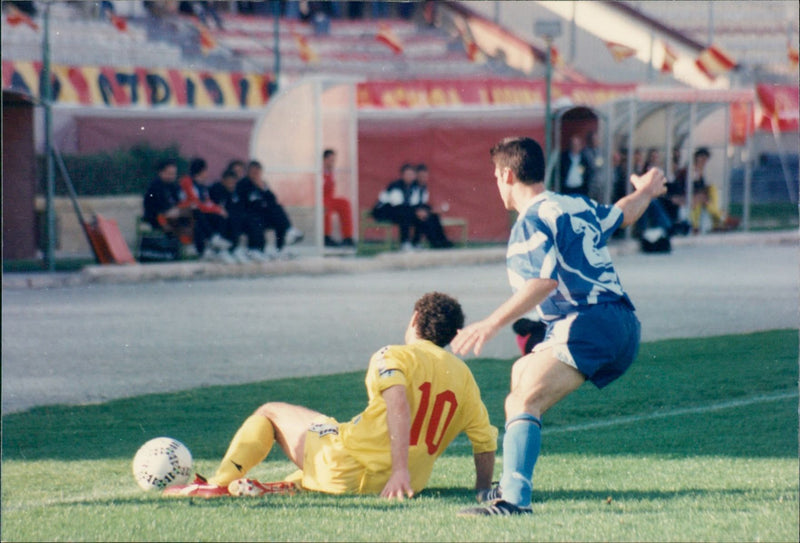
558 263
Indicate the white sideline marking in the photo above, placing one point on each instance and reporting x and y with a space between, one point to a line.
626 419
67 500
764 398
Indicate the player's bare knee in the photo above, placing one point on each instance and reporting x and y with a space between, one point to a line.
268 409
522 402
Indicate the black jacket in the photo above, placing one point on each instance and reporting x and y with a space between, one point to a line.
252 197
159 198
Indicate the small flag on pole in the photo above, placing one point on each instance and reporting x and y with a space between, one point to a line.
555 56
307 53
793 55
207 41
387 37
119 22
670 56
15 16
619 51
713 62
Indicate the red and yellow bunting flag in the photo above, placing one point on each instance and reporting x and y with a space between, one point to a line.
670 56
620 52
15 17
119 22
714 62
307 53
387 37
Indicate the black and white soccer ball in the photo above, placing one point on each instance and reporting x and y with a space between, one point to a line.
162 462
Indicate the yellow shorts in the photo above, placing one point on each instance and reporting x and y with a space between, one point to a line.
329 467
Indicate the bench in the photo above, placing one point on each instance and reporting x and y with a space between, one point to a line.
388 229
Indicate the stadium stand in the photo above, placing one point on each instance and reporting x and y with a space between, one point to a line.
246 42
755 33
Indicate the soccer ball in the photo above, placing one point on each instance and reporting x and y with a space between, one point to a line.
162 462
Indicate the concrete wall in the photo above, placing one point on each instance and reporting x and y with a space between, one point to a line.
71 240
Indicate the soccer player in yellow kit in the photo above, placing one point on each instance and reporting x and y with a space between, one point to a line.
420 398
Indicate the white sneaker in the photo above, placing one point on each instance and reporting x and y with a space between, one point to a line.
293 235
219 243
284 254
189 251
225 257
240 254
209 254
407 247
257 256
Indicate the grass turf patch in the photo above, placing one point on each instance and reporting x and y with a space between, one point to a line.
666 461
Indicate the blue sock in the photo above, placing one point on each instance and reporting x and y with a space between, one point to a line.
521 445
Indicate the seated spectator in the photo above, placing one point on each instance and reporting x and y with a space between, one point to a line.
431 226
405 203
238 167
704 213
224 194
576 171
264 212
209 217
162 204
334 205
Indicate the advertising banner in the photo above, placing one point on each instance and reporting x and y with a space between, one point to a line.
139 87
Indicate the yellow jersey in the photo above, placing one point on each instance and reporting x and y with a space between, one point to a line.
443 399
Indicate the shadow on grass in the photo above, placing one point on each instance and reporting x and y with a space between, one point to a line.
453 496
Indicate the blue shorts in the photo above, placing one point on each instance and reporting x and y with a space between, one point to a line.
600 341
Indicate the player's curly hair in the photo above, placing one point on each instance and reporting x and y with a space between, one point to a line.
439 318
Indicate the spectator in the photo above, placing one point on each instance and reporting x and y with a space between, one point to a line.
405 203
653 159
264 212
209 217
594 157
223 193
432 226
334 205
576 171
638 162
162 204
618 164
704 213
237 167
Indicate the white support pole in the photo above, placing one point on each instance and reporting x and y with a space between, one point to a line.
725 190
690 166
319 209
670 128
352 119
629 167
608 147
748 174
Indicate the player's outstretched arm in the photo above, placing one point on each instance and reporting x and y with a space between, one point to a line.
398 420
476 335
649 185
484 470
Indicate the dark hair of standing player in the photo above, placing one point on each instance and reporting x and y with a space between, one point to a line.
523 156
439 318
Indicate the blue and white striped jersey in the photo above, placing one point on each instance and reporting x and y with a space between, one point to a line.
564 238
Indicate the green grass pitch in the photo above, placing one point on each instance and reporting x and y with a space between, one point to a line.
697 442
